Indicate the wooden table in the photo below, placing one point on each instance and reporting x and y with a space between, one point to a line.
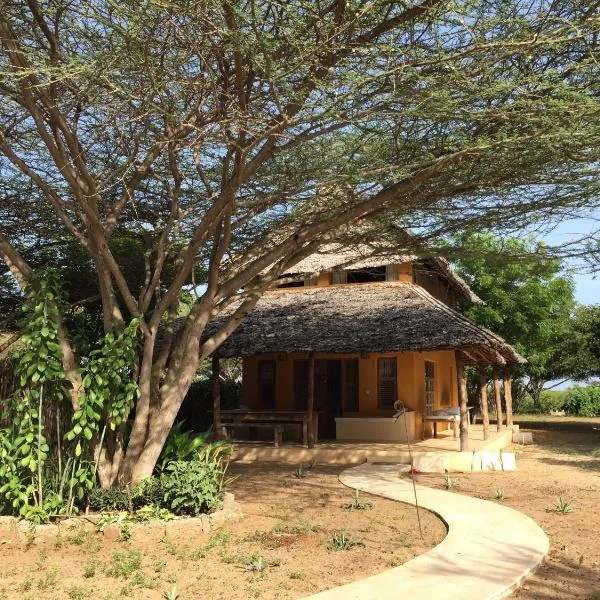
249 418
453 419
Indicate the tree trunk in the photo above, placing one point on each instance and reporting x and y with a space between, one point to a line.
508 398
483 398
462 397
216 396
498 398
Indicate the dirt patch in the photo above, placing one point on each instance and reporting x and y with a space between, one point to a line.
561 464
280 549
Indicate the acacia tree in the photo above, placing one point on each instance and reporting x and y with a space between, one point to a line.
242 135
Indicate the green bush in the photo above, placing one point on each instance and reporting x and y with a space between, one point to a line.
553 400
583 401
148 492
196 486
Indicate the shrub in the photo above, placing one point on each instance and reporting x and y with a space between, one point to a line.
583 401
180 445
108 499
195 486
553 400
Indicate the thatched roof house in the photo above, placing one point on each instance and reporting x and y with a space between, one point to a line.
353 333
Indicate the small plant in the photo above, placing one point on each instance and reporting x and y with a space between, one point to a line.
298 528
29 536
79 536
221 538
450 484
499 495
342 541
258 563
171 594
123 564
357 503
124 533
89 570
299 473
78 593
297 575
562 506
48 579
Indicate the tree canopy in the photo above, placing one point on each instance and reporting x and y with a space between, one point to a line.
239 136
528 300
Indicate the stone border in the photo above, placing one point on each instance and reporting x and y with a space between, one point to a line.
17 531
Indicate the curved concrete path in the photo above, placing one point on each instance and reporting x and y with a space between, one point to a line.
488 551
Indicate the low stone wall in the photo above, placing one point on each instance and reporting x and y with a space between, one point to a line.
18 531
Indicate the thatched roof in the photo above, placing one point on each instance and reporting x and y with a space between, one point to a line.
362 256
373 317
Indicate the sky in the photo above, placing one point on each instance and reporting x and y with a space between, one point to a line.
587 285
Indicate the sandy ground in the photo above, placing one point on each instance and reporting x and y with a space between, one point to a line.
279 550
560 464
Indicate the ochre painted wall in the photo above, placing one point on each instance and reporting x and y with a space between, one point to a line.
411 382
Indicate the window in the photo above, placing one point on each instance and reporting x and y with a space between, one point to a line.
388 387
300 385
350 384
429 387
266 383
366 275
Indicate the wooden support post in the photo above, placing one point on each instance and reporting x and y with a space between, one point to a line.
498 397
483 398
311 399
508 398
216 397
462 397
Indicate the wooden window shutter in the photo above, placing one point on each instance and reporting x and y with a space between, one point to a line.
266 383
392 272
388 382
339 277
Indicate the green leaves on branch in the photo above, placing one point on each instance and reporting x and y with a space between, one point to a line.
29 484
108 389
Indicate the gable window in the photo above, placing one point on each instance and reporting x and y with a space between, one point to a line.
429 387
388 382
366 275
266 383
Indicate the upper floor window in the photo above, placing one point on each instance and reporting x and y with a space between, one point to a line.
366 275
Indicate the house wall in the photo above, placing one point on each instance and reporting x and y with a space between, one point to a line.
411 383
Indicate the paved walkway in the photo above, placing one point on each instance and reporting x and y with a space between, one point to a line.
488 551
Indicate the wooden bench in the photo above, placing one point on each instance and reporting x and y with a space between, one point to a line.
228 428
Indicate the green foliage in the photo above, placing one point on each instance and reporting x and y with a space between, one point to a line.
24 448
109 391
171 593
499 495
527 300
342 541
180 446
109 499
196 486
30 484
562 507
257 563
583 401
299 473
124 564
357 503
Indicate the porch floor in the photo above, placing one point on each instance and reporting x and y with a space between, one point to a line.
350 452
